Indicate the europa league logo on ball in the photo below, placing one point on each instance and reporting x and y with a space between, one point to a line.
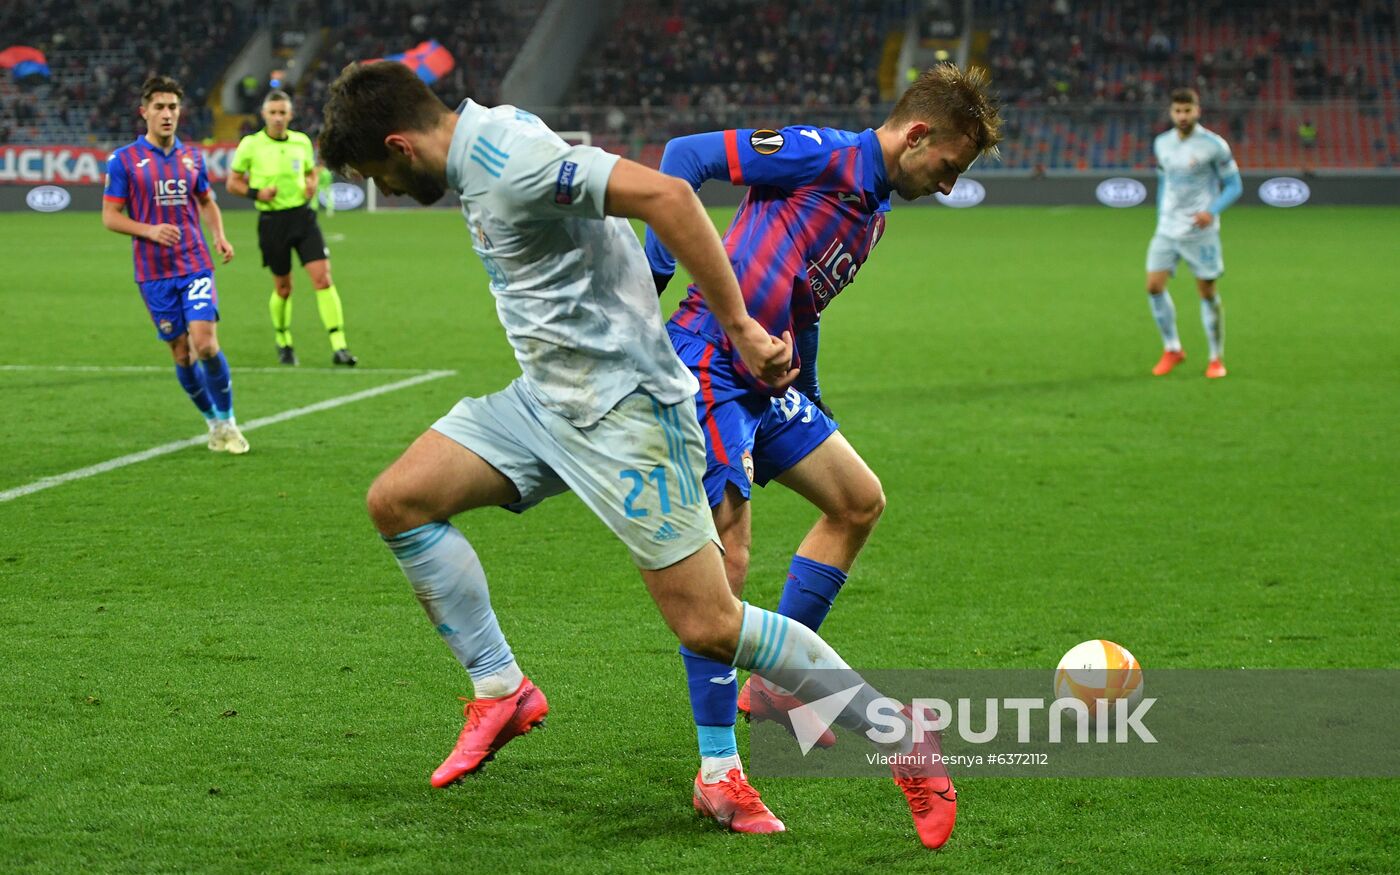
1099 673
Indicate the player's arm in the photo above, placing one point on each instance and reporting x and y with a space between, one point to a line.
695 159
806 382
1231 187
210 213
670 208
788 160
114 217
214 220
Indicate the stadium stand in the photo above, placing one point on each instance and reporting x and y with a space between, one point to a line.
100 52
1304 84
483 37
1084 83
670 67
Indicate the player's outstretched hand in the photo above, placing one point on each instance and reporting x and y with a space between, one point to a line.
225 249
767 357
163 234
267 194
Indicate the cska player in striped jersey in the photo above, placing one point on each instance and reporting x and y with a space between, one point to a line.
157 190
814 210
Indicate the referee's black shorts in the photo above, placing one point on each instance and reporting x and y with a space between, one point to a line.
281 231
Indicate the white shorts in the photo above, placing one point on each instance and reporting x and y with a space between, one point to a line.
639 468
1201 251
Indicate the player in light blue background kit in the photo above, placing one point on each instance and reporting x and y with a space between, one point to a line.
603 408
1197 178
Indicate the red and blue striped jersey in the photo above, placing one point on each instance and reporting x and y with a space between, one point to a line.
814 210
161 188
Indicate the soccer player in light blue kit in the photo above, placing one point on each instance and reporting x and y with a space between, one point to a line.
1197 178
603 407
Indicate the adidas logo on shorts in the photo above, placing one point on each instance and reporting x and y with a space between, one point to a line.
667 532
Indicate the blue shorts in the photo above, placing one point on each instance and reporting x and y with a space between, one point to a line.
177 301
750 437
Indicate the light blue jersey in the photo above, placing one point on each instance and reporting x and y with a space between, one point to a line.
572 286
1192 173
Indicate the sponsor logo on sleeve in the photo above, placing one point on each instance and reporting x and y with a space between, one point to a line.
766 142
966 193
1121 191
48 198
1284 191
564 184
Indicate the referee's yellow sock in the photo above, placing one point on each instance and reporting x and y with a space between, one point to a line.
328 302
281 310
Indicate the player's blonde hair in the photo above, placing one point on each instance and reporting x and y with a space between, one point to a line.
954 103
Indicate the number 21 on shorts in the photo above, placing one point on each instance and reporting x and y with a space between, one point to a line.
639 484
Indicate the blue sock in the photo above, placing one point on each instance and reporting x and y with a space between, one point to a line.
451 586
811 588
220 383
714 700
193 384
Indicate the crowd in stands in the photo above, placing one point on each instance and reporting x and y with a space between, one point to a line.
1135 51
100 52
717 53
483 37
1083 81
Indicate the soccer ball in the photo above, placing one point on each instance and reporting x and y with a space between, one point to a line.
1097 670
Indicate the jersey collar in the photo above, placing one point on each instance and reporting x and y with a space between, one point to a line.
461 139
175 146
876 182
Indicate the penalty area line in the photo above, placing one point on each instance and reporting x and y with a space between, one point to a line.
175 446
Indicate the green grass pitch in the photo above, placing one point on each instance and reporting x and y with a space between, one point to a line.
212 664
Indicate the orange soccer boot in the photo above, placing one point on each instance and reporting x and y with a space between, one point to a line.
491 723
759 701
1170 359
735 804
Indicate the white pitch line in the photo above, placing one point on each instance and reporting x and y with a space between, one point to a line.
165 369
175 446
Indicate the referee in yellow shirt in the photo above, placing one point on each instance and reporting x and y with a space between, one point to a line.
276 169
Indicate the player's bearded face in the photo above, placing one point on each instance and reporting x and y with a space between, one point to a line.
1185 116
399 175
422 186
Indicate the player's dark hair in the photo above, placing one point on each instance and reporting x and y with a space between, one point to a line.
953 102
1185 95
275 95
367 103
160 85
